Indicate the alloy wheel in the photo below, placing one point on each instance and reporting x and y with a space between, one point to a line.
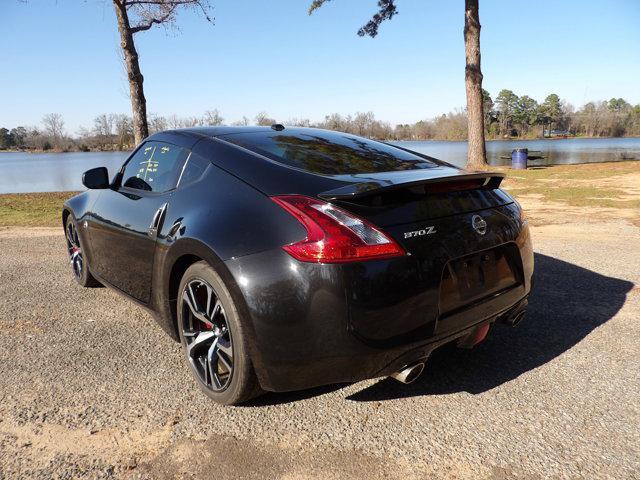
75 251
206 334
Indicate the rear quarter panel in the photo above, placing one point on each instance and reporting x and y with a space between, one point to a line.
217 218
229 216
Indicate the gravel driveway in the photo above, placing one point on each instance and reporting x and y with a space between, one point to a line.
91 387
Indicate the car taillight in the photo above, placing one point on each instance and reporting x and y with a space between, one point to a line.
333 235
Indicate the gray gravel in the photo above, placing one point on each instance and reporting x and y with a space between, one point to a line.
91 387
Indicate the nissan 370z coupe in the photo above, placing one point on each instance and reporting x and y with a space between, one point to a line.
286 258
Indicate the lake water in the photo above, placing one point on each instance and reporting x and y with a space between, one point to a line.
555 152
48 172
52 172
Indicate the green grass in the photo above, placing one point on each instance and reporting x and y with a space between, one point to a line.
32 209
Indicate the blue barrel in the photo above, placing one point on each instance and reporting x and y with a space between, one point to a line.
519 158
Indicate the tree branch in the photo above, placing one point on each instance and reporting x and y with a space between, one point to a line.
157 12
316 4
386 10
160 3
146 26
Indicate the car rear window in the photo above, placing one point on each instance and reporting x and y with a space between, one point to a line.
329 153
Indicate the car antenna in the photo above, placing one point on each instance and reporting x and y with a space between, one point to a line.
278 127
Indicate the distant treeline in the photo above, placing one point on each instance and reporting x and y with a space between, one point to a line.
508 115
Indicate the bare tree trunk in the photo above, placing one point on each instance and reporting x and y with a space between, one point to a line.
136 92
476 154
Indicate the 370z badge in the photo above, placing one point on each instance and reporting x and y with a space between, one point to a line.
420 233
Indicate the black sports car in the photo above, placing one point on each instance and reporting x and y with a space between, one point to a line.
285 258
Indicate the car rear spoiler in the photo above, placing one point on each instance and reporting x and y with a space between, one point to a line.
433 183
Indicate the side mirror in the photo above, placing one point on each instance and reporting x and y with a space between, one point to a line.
96 178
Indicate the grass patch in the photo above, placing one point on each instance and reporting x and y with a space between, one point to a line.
32 209
587 171
576 185
580 196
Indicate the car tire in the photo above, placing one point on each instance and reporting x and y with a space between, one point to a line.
77 259
201 290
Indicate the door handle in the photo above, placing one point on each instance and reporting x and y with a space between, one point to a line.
157 220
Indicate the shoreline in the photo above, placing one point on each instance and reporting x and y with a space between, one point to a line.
514 139
604 190
39 152
517 139
505 167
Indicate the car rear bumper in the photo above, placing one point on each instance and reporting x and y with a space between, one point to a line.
308 329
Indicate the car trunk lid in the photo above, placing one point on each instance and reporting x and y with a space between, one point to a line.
458 232
398 198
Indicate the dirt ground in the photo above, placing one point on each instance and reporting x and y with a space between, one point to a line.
588 193
90 387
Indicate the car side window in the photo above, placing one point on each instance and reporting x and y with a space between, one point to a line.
154 167
193 169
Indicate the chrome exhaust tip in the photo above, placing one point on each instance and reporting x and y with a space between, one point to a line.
409 373
516 319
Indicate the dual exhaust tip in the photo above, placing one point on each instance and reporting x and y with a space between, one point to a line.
515 319
409 373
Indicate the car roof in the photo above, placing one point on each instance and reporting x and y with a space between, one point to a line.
230 130
274 177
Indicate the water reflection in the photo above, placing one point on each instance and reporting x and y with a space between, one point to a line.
329 153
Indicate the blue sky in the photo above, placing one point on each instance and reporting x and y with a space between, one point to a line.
269 55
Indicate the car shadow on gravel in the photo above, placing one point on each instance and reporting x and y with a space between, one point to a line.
567 303
268 399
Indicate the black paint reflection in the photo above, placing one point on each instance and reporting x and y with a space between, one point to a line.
330 153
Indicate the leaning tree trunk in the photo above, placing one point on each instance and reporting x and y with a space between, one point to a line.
476 154
136 92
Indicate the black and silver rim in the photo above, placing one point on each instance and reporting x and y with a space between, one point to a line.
206 333
75 251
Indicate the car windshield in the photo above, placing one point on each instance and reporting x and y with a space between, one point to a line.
329 153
